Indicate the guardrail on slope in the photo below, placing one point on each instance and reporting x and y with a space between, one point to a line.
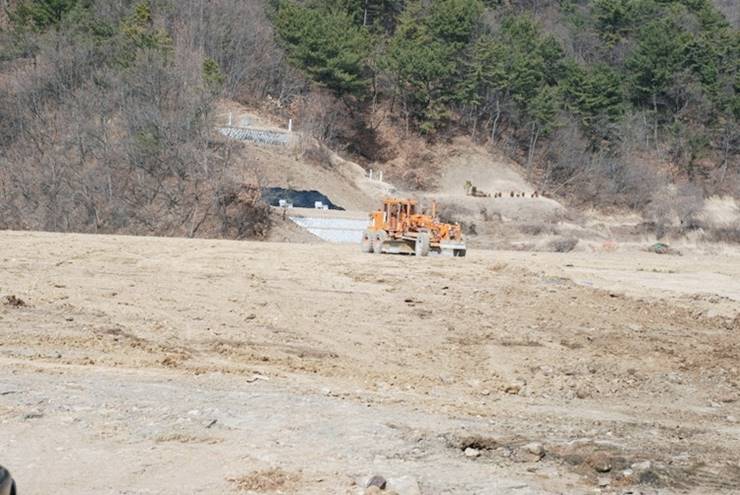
260 136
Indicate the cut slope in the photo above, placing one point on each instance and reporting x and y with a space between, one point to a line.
273 167
467 162
303 165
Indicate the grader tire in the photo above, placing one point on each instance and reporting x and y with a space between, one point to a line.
380 238
367 242
7 483
421 248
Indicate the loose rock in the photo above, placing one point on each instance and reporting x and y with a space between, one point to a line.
582 393
531 452
405 485
641 466
535 448
471 452
514 388
377 481
600 461
14 301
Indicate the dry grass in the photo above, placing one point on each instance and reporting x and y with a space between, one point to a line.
266 480
182 438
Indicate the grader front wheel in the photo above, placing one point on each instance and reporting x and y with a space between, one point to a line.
380 238
367 242
421 248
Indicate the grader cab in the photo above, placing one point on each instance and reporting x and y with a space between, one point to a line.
400 227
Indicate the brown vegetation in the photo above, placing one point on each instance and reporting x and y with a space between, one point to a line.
119 139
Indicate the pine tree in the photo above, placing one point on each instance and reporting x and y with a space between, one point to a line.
41 14
139 33
212 75
596 96
327 45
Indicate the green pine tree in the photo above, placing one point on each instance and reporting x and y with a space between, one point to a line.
327 45
40 15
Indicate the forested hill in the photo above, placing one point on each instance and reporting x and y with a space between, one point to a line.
565 82
106 105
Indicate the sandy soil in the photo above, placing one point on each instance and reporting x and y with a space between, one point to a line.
170 366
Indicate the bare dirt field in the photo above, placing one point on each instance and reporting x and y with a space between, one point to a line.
172 366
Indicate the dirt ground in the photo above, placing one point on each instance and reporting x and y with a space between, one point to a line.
170 366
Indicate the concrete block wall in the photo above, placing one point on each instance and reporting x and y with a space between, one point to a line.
337 230
260 136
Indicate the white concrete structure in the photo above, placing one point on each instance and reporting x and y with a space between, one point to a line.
332 225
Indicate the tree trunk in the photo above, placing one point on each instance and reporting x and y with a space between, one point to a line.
725 153
532 145
406 115
495 122
655 121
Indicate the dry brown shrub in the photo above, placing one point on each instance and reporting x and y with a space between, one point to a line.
314 152
609 246
320 115
183 438
562 244
241 211
415 166
730 235
536 228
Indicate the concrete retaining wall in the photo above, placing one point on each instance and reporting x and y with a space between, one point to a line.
337 230
260 136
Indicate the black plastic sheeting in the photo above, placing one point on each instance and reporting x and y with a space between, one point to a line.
300 199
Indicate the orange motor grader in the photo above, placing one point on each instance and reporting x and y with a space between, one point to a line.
398 227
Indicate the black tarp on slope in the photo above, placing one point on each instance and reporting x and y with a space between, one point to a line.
300 199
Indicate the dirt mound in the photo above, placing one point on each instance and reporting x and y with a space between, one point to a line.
285 230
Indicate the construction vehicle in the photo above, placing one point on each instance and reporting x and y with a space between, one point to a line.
400 228
471 190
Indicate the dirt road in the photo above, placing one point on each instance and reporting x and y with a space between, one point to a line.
169 366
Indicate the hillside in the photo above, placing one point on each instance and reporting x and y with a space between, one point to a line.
108 110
